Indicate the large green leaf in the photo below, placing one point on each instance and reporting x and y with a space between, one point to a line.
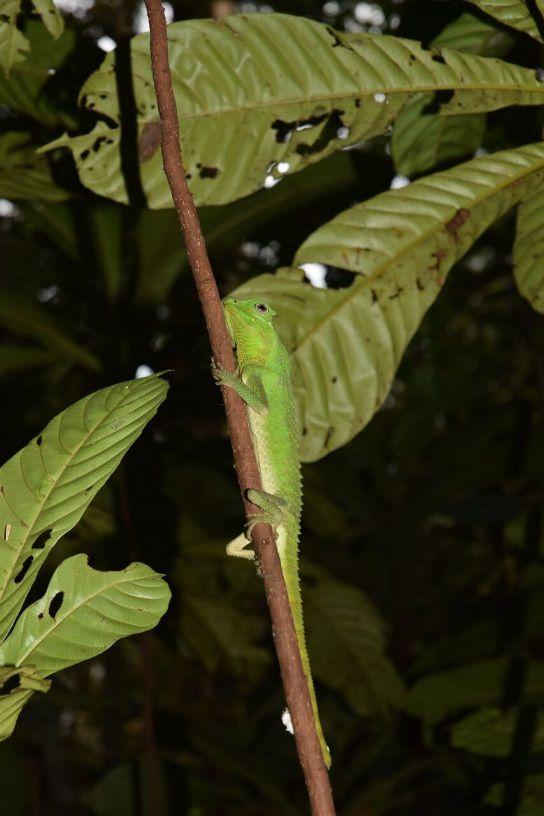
47 486
529 250
23 174
84 612
422 139
346 644
346 344
26 318
24 90
16 688
259 91
513 13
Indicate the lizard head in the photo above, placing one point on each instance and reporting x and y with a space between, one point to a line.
250 325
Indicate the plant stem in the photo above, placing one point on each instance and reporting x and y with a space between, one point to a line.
283 630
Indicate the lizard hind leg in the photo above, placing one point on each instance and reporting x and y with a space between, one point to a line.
273 510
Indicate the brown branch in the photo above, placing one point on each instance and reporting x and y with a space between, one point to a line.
294 680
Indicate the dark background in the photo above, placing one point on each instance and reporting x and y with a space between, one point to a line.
434 511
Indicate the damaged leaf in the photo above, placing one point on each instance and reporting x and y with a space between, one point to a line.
17 685
83 613
400 246
23 174
422 138
529 251
513 13
322 91
46 487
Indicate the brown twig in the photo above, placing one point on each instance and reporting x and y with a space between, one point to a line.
294 680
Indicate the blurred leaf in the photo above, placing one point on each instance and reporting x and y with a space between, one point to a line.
26 318
113 794
57 222
51 16
346 644
13 43
107 226
14 782
490 732
24 90
532 797
529 251
20 358
513 13
475 685
347 343
47 486
23 174
22 683
421 139
220 634
268 106
161 248
83 613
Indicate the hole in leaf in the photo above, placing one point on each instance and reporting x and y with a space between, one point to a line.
39 440
55 604
439 98
333 124
208 172
11 684
24 569
337 278
41 540
284 130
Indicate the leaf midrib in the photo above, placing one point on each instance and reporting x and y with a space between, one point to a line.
364 282
24 540
57 622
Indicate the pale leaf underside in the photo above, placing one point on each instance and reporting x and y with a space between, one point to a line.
46 487
258 91
346 344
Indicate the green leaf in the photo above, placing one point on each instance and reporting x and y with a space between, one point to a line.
83 613
47 486
23 174
24 91
490 732
513 13
346 344
23 682
422 139
529 251
532 796
20 358
220 634
51 16
162 252
106 222
346 644
246 106
27 319
13 44
474 685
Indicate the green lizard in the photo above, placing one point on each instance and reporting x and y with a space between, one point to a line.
263 381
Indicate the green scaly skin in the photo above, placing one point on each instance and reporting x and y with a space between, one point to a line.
264 383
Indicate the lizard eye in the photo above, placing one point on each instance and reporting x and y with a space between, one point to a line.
262 308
